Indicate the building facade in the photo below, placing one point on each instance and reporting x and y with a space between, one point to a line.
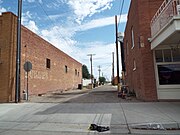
140 73
165 44
152 49
52 69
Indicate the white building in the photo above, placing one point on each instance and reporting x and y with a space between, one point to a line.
165 43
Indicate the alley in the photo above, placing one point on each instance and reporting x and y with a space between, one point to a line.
99 106
102 94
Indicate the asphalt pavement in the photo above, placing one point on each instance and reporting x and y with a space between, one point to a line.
72 112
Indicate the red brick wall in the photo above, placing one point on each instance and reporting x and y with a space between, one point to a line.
142 80
36 50
7 44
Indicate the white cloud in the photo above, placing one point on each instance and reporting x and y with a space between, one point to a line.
27 21
84 8
101 22
56 4
79 51
26 17
40 1
32 26
58 30
103 56
31 1
60 37
2 10
54 17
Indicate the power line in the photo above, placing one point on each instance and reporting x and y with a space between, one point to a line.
52 22
107 67
120 14
119 8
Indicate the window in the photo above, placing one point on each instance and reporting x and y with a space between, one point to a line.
78 73
169 74
48 63
75 71
132 38
176 54
159 55
167 55
134 65
66 69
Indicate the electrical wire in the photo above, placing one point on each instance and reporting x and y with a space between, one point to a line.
119 8
107 67
61 36
120 14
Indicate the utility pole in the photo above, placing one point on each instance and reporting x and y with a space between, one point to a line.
117 53
99 70
120 38
113 68
91 69
18 54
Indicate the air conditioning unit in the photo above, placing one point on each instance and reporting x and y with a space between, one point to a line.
178 9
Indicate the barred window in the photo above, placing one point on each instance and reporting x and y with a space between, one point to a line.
48 63
66 69
75 71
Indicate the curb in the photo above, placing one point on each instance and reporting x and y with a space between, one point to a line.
157 126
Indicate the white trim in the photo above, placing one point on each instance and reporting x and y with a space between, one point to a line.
165 91
134 65
169 86
132 38
165 32
156 73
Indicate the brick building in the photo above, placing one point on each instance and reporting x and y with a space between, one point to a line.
142 73
52 69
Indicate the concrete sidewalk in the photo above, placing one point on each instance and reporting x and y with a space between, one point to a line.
62 118
157 116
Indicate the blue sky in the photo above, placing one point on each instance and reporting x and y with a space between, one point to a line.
77 27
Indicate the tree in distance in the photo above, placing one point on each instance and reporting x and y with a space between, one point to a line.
85 72
102 80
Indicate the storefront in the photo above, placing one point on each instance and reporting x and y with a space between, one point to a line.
167 68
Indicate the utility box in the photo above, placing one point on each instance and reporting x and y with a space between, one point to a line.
24 95
80 86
